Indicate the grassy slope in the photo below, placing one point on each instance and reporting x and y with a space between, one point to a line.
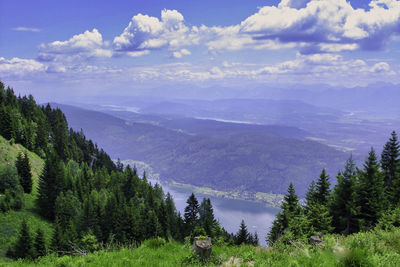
9 153
10 221
377 248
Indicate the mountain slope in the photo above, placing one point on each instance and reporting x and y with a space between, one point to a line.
251 160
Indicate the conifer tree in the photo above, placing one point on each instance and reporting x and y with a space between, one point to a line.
206 218
24 172
51 183
322 189
191 215
290 221
23 248
40 244
317 211
390 164
371 198
242 236
344 207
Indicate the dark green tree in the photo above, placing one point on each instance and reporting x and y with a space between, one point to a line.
290 222
343 206
40 244
191 215
371 198
51 183
206 218
322 188
390 164
24 171
24 248
242 236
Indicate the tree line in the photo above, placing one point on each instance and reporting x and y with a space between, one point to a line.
362 199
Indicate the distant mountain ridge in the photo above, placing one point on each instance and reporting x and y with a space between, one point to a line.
251 158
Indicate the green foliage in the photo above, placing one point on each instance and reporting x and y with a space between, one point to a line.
24 171
343 205
371 197
39 244
23 248
156 242
191 216
9 178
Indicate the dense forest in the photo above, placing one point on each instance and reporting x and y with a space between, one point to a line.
363 199
90 200
92 203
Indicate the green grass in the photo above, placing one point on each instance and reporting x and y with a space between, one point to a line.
376 248
9 153
10 221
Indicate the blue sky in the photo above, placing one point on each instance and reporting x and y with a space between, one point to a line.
95 47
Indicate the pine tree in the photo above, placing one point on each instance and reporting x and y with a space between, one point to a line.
371 198
390 164
242 236
24 171
23 248
290 221
322 189
51 183
40 244
317 211
191 215
206 219
343 207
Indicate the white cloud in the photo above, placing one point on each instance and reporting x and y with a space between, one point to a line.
181 53
26 29
86 45
20 67
380 67
326 26
150 33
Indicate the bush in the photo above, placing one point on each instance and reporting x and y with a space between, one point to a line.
154 242
357 257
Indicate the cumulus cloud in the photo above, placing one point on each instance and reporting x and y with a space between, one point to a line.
20 67
150 33
86 45
26 29
326 26
181 53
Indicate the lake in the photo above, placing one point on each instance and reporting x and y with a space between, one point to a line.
230 212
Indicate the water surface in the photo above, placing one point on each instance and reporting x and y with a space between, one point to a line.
230 212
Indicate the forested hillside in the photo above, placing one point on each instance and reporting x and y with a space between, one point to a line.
81 200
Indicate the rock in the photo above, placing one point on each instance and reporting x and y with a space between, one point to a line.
316 240
203 247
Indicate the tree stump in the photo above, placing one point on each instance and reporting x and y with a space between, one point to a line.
203 247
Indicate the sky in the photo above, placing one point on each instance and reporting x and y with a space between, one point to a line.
60 48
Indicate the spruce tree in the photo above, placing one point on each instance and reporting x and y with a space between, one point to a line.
343 206
317 211
191 215
242 236
51 183
322 188
371 198
23 248
390 164
40 244
207 219
290 221
24 172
